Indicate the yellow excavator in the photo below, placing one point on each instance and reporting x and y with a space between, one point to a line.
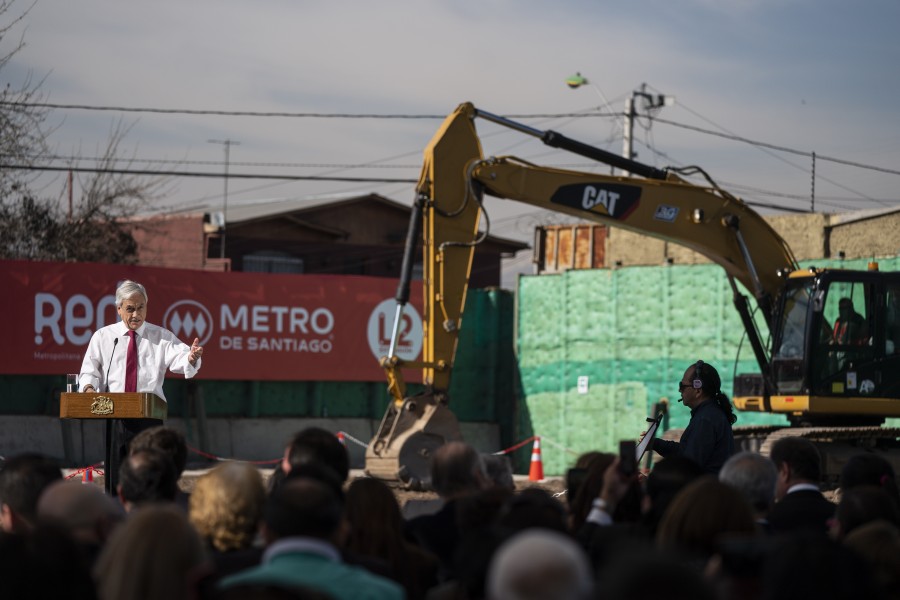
833 372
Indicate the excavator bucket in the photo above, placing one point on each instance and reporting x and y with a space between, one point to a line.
408 436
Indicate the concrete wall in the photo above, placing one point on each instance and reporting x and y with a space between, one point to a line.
862 234
862 237
805 234
79 443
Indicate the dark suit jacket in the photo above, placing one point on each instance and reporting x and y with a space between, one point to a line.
438 534
802 510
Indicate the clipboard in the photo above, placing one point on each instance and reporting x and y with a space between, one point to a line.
648 438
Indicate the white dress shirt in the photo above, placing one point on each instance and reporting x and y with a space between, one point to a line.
158 350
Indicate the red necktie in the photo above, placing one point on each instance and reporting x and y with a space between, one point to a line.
131 363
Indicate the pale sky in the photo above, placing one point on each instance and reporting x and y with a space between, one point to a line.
807 75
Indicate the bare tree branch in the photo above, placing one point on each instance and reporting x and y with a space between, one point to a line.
97 227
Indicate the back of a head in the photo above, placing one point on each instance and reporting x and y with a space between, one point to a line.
83 510
668 477
153 554
375 522
165 439
369 502
319 472
581 491
148 476
864 504
801 455
457 469
531 508
704 513
754 476
811 565
650 573
499 470
43 562
22 480
869 469
477 513
317 445
226 505
303 507
539 564
878 543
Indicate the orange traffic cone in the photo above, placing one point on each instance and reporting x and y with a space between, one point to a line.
340 437
536 472
88 475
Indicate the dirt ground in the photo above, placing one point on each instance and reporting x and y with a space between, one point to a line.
554 485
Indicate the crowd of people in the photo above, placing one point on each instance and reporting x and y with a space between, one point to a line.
704 523
758 528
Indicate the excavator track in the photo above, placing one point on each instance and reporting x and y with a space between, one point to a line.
752 437
838 444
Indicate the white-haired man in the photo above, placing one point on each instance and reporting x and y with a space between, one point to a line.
132 355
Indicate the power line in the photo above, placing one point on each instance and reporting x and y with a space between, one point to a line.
374 164
164 161
321 115
220 113
147 172
805 153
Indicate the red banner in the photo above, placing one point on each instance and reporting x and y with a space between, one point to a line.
252 326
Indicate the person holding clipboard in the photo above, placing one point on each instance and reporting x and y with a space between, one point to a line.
708 439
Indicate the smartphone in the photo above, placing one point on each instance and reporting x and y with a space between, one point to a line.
627 457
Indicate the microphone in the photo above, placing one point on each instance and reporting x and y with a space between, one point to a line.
113 353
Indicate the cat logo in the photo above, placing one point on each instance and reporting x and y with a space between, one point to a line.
614 200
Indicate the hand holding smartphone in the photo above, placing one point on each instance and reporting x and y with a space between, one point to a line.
627 458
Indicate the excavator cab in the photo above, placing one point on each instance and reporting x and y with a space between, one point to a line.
836 346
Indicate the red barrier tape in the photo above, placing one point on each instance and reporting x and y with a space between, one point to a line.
517 446
98 471
80 472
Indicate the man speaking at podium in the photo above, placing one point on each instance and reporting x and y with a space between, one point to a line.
133 356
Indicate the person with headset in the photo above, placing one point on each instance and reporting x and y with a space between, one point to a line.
708 439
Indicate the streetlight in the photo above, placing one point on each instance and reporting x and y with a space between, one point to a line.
227 143
576 81
650 102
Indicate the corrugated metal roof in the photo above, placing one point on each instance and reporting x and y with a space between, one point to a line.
255 210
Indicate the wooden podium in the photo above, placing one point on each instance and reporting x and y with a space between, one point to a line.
111 406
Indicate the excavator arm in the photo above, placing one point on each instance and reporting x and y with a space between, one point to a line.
449 192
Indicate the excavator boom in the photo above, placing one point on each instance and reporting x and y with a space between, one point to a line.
651 201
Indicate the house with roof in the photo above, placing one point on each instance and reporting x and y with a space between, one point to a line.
356 235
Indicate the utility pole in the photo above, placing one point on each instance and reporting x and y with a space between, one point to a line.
650 102
227 143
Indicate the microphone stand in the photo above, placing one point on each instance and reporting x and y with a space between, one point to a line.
108 475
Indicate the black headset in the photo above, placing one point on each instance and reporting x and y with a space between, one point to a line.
698 375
